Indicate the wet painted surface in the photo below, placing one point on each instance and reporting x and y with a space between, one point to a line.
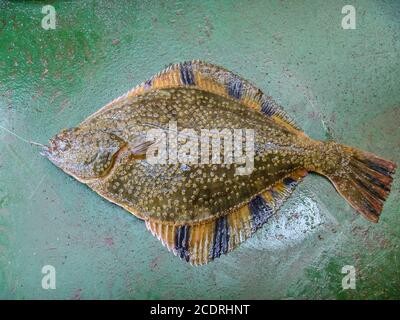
341 84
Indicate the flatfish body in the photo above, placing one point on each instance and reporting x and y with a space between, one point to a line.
205 159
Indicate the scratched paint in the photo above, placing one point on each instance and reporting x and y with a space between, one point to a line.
341 84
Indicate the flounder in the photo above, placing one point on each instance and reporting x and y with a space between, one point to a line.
202 209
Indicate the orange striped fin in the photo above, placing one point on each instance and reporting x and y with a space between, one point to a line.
203 242
210 78
278 193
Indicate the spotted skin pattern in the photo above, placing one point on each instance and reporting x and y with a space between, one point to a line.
177 194
201 211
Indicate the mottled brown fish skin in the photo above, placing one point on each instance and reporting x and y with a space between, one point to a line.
196 192
200 211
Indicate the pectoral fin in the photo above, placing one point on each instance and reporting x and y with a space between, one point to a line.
139 147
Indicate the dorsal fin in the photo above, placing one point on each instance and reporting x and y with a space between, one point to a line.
203 242
210 78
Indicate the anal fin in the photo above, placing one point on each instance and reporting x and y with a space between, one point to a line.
203 242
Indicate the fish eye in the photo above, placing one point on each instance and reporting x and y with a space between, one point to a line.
60 143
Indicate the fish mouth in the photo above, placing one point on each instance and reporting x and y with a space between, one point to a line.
51 154
48 151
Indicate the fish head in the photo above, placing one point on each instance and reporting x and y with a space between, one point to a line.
84 153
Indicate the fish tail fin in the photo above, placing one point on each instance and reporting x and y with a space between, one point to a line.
362 178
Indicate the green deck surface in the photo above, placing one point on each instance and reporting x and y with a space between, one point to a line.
340 84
